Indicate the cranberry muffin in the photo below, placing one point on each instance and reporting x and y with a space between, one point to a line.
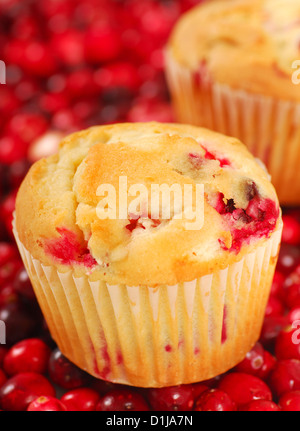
144 299
232 67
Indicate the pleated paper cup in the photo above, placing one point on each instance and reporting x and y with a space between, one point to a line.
162 336
269 127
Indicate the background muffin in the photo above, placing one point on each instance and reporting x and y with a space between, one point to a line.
146 301
230 68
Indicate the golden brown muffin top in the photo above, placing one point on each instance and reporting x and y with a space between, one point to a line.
246 44
57 208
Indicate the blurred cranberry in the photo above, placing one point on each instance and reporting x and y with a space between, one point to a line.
46 404
38 59
66 121
80 83
102 43
274 307
25 26
7 208
68 47
9 270
53 101
20 390
12 149
64 373
8 252
81 399
8 294
294 314
3 351
8 101
122 400
28 126
146 110
118 74
291 230
288 259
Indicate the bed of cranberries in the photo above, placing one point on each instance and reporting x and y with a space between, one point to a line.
69 65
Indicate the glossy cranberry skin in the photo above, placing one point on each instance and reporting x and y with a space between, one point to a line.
31 354
260 406
81 399
64 373
290 401
291 230
20 390
243 388
172 398
267 366
253 361
287 345
214 400
285 376
198 389
122 400
46 404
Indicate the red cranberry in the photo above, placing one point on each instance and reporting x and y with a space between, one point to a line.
22 284
81 83
291 230
292 293
81 399
119 74
64 373
6 211
290 401
214 400
46 404
27 125
122 400
12 149
294 314
8 252
260 406
253 361
243 388
102 44
288 259
285 376
287 345
278 280
274 307
20 390
172 398
267 366
8 294
68 47
150 111
38 59
31 354
272 325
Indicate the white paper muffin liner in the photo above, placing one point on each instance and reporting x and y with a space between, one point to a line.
269 127
163 336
